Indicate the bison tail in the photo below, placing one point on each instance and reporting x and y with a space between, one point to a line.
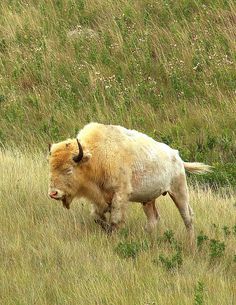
197 168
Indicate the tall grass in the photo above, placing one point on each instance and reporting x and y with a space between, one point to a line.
166 68
49 255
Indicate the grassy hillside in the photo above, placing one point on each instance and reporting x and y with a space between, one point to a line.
49 255
166 68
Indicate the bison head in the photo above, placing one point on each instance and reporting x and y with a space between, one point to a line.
65 160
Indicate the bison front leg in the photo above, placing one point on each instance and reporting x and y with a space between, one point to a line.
98 213
152 215
118 209
99 206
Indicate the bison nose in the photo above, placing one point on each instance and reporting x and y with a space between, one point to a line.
53 194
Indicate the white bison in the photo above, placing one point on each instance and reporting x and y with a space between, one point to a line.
111 165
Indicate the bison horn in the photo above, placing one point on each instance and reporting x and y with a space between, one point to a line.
79 157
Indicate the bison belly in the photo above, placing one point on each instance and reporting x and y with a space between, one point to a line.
147 184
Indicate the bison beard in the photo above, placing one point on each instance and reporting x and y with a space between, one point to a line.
65 203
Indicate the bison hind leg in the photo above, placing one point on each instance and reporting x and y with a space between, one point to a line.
152 214
179 194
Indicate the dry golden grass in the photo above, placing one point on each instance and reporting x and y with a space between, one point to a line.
49 255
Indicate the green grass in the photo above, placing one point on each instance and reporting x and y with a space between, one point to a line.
166 68
49 255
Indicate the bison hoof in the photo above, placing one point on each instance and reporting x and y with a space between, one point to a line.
110 228
105 226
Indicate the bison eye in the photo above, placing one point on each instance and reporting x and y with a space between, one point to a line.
68 171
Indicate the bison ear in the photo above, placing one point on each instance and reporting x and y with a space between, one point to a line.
86 157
